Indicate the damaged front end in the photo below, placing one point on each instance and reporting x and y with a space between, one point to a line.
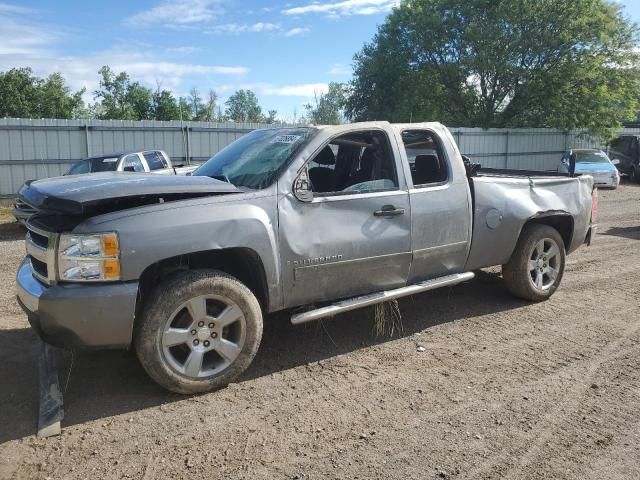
84 196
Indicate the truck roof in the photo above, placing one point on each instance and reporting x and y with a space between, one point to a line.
379 123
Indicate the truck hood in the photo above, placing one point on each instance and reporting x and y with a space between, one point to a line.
96 193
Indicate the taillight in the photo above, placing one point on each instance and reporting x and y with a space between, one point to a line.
594 205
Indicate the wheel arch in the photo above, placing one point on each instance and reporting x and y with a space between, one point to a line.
562 221
242 263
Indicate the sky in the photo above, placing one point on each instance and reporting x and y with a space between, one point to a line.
284 51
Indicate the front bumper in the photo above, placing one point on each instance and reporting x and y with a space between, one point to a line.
92 316
606 181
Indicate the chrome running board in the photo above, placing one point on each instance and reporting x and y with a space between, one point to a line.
378 297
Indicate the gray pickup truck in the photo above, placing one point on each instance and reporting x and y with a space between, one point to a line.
315 220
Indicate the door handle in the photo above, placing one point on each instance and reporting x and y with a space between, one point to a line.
389 211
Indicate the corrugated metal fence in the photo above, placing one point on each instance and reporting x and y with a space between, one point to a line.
45 148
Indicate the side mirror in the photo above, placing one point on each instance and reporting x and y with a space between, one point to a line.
615 161
129 169
302 186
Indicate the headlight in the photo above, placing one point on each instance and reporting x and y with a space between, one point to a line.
93 257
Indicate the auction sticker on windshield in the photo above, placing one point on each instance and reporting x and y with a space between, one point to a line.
286 139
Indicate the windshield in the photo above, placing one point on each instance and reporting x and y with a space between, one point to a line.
591 157
97 164
254 160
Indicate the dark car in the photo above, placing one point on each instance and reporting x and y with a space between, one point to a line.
624 153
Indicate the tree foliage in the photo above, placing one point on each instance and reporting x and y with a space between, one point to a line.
500 63
23 95
328 108
121 99
164 105
243 106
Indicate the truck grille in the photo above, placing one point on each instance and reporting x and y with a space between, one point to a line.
41 249
39 268
25 207
41 241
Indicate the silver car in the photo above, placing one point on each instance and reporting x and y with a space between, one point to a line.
592 162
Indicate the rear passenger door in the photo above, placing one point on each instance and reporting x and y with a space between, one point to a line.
440 206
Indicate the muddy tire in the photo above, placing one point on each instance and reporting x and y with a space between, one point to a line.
535 269
198 331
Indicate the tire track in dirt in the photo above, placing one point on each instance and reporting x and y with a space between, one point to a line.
547 427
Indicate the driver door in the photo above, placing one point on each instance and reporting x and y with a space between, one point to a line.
355 238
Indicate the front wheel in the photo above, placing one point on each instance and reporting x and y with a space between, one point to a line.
536 266
198 331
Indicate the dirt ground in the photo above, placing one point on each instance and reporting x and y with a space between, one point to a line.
504 389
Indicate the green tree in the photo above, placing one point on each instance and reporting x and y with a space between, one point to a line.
184 110
243 106
56 99
121 99
500 63
25 95
271 117
203 109
164 106
329 107
195 102
18 93
209 112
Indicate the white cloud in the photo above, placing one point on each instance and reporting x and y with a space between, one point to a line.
8 8
307 90
19 38
297 90
179 12
296 31
344 7
243 28
29 43
82 72
185 50
340 69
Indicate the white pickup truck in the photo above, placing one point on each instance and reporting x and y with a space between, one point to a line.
150 161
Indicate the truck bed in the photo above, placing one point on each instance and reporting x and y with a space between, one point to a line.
504 200
506 172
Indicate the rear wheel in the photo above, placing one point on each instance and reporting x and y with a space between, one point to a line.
198 331
535 269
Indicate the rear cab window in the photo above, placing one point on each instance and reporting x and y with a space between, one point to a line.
427 161
155 160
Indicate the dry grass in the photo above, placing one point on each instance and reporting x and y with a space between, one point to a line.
387 319
5 215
